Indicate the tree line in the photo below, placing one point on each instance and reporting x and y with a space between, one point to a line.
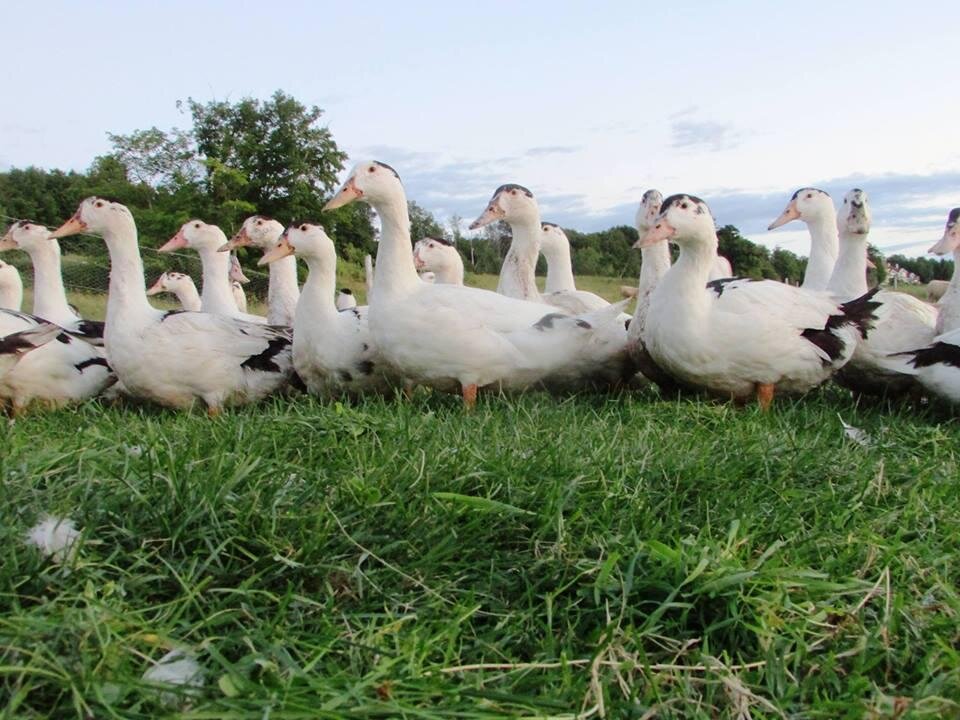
275 157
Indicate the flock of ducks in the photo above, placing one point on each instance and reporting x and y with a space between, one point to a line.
695 327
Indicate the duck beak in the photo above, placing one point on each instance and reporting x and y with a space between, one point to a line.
791 213
236 273
157 287
347 193
8 243
658 233
949 242
871 265
71 227
281 250
493 213
241 239
417 261
177 242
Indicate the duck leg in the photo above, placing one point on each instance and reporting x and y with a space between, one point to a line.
214 411
469 396
764 395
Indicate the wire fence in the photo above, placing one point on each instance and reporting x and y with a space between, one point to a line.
86 266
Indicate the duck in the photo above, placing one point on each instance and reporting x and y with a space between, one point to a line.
555 246
333 350
902 321
11 287
176 358
720 269
215 296
815 208
345 299
49 295
748 341
948 317
516 205
439 256
15 345
237 280
457 337
179 284
283 291
56 374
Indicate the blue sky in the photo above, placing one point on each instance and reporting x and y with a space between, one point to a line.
587 104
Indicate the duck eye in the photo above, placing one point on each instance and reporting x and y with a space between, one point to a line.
684 205
259 222
303 228
372 169
513 192
196 225
809 195
99 203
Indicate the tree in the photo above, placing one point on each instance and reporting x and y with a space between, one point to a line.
749 259
157 158
787 265
422 222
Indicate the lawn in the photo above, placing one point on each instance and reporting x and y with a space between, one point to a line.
622 555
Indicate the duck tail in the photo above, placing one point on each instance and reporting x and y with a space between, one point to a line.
26 340
859 312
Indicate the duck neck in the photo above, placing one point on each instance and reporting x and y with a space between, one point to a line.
317 296
396 274
824 248
188 296
559 267
282 291
849 277
49 295
216 295
451 273
654 264
684 282
128 289
518 274
11 293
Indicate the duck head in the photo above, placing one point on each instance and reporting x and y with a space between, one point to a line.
371 181
552 238
305 239
257 230
195 234
807 204
432 253
681 218
28 236
854 216
510 202
647 213
951 235
97 215
167 282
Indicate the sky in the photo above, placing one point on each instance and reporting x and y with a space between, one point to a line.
586 104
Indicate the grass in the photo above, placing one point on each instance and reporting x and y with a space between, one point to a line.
634 555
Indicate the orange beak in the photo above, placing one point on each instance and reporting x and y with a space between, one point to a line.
241 239
157 287
791 213
71 227
8 243
345 195
658 233
281 250
177 242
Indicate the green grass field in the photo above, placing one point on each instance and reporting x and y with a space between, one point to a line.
624 555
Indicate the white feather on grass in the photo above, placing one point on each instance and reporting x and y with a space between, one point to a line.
860 437
55 537
177 667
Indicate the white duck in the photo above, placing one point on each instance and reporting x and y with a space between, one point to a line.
815 208
746 341
283 292
216 295
179 284
333 351
902 321
555 246
345 299
516 205
444 335
237 281
439 256
175 358
70 370
11 287
15 345
948 318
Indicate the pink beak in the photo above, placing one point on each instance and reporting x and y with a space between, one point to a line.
658 233
177 242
